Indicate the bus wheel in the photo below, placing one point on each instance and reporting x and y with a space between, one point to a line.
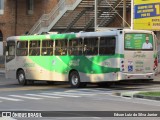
21 78
74 79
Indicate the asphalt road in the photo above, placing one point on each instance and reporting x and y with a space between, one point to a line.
60 97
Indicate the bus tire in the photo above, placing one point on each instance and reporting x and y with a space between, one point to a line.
74 80
21 78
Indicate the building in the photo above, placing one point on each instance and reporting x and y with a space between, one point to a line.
19 17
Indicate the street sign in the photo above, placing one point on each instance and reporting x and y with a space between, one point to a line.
146 15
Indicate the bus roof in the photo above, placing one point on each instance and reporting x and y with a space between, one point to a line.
74 35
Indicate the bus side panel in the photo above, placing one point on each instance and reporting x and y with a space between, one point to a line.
139 62
10 74
10 69
94 78
37 72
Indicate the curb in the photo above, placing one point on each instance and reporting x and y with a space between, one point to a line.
135 94
146 97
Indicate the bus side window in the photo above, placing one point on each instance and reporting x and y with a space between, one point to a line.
10 51
61 47
34 48
107 46
47 48
90 46
11 48
22 48
75 47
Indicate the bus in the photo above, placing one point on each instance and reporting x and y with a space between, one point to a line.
81 58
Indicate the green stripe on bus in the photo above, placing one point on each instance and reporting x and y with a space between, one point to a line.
49 36
62 64
100 59
63 36
34 37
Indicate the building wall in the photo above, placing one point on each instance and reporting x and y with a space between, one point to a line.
16 20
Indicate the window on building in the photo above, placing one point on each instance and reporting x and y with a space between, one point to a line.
30 6
1 7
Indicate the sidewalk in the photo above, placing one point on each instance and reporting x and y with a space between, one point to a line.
2 70
134 94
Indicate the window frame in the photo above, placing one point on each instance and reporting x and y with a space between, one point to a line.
30 7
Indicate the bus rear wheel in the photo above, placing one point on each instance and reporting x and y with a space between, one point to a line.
21 77
74 80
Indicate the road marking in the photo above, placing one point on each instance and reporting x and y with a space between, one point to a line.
12 99
26 88
20 96
74 93
60 94
95 92
46 96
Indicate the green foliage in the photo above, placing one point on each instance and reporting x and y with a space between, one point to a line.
157 93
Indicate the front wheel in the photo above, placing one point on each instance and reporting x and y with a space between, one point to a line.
21 77
74 80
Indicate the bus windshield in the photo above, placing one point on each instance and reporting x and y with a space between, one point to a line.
138 41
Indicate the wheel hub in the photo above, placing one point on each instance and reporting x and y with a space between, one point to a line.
74 80
21 77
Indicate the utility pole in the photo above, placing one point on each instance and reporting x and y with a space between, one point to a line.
95 15
132 13
124 13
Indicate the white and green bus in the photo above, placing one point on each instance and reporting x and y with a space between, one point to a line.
80 58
